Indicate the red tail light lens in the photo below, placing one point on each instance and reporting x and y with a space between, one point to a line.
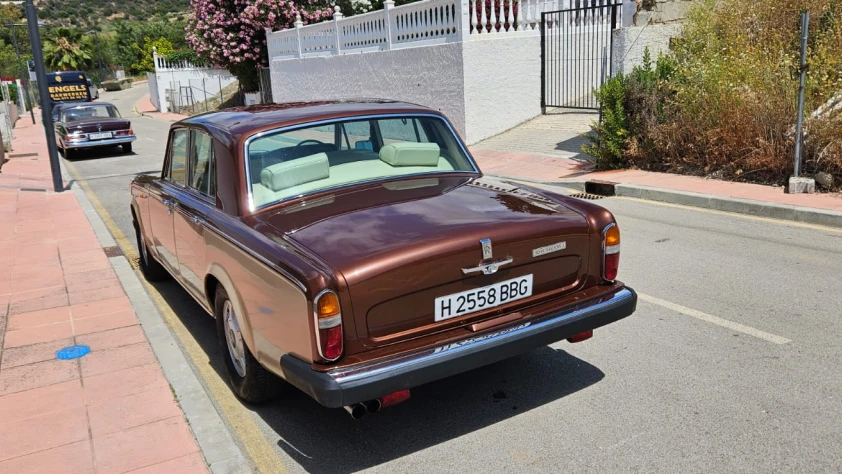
582 336
328 319
394 398
611 252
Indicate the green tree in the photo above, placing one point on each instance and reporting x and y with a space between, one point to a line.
64 50
145 63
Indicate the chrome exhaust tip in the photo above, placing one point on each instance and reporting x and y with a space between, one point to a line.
373 406
357 410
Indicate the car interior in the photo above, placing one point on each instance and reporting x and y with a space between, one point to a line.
307 160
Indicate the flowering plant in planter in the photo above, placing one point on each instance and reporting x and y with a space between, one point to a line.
230 33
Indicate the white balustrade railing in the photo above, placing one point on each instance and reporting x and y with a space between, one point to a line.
433 22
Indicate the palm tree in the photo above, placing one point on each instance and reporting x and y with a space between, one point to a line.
64 50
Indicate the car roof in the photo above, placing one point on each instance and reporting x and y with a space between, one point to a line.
245 120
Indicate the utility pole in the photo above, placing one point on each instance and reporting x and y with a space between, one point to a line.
798 183
23 76
98 54
41 76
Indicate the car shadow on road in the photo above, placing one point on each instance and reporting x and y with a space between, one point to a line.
324 440
97 153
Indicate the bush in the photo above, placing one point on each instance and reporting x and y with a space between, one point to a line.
725 101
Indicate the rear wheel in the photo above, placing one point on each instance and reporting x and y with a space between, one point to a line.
152 269
127 148
69 154
250 380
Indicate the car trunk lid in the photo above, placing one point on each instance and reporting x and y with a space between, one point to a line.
400 248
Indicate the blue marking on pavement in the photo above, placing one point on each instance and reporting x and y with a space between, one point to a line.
72 352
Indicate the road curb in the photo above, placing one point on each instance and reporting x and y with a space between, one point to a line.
788 212
218 447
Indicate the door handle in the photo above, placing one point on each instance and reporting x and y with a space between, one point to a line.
197 220
168 202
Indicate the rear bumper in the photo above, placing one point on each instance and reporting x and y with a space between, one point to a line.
367 381
74 145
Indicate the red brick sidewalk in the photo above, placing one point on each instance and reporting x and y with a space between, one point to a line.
532 167
109 411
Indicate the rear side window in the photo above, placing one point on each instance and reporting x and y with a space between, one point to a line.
202 164
178 156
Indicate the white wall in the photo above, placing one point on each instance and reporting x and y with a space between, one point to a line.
152 83
203 82
502 84
630 44
430 75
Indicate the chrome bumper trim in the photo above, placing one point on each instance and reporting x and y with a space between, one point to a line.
107 142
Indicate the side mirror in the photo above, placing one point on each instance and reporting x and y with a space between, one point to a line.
364 145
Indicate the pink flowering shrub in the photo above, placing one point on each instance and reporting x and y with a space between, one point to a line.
231 35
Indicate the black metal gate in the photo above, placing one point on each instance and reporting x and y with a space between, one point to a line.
576 52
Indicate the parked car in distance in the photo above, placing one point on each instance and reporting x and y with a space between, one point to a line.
355 250
82 126
94 90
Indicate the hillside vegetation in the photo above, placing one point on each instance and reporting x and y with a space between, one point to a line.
85 13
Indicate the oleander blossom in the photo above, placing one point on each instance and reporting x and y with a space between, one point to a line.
231 33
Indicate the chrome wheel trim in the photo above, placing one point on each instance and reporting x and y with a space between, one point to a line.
234 338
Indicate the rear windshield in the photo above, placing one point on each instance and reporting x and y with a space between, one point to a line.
90 112
307 160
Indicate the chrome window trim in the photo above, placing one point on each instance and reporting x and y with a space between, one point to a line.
317 325
289 128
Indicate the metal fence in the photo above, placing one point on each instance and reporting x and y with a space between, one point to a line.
195 96
576 53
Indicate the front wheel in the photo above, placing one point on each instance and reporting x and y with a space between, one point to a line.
127 148
250 380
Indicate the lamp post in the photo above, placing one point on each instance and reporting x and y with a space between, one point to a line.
23 76
98 54
41 76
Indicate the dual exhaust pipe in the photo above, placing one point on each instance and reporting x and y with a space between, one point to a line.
359 410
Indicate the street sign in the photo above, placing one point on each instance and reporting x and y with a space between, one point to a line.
31 65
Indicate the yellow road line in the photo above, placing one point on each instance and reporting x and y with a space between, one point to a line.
257 446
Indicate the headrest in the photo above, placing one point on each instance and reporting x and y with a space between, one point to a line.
410 154
294 172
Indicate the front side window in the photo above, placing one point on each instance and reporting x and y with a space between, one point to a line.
178 156
307 160
202 177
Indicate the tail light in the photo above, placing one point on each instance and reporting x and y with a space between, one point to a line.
119 133
328 319
610 251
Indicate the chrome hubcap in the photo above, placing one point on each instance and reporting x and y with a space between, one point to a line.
142 248
234 338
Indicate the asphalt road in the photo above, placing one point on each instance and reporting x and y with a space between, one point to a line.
731 362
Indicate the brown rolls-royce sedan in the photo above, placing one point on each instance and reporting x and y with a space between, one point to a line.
355 250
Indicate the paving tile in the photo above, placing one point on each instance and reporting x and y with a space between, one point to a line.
124 382
35 335
38 271
104 322
82 257
96 308
90 276
39 293
101 264
42 374
77 286
87 296
73 458
76 244
119 358
34 225
37 304
190 464
31 354
50 430
39 318
31 403
117 414
144 446
124 336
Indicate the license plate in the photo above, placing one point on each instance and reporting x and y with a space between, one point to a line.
99 136
478 299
